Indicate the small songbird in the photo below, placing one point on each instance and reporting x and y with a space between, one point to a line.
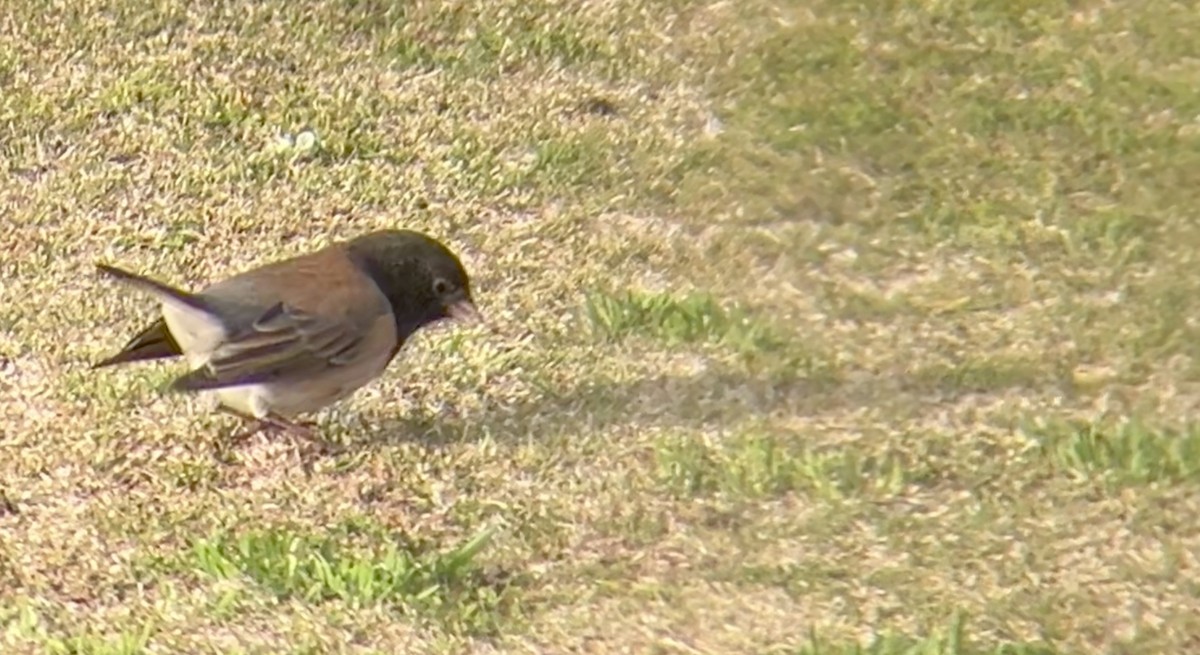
294 336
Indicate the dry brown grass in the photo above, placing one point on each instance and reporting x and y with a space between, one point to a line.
954 369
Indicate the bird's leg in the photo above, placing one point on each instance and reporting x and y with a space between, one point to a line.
304 429
256 424
307 432
272 421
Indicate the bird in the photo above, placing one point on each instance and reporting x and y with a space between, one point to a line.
297 335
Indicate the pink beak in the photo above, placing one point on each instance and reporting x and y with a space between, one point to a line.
464 311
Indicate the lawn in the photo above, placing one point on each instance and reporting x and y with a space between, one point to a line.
821 326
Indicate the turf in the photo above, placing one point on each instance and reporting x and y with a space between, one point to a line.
823 327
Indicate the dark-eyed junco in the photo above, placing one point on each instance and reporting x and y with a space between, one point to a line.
296 335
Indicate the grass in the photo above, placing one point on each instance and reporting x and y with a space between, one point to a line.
820 327
750 466
1130 452
318 569
691 319
952 641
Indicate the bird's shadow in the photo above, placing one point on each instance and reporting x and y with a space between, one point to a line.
715 396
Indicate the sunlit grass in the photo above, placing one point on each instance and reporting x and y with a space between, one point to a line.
748 466
446 585
687 319
810 325
1131 452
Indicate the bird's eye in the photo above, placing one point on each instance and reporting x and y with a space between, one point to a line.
441 287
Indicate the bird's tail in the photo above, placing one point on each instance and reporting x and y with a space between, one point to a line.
155 342
164 292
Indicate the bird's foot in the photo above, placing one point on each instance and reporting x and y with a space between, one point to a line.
313 445
307 431
272 422
304 429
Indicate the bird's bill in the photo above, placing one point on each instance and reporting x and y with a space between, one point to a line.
464 311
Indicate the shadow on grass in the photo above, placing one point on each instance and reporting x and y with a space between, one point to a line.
717 396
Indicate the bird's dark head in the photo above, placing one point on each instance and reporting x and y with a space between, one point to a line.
423 280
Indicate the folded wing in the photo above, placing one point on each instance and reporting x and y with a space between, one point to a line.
281 342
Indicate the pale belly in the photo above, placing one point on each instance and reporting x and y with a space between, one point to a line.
299 395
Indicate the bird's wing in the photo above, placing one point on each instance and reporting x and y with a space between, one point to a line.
282 340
